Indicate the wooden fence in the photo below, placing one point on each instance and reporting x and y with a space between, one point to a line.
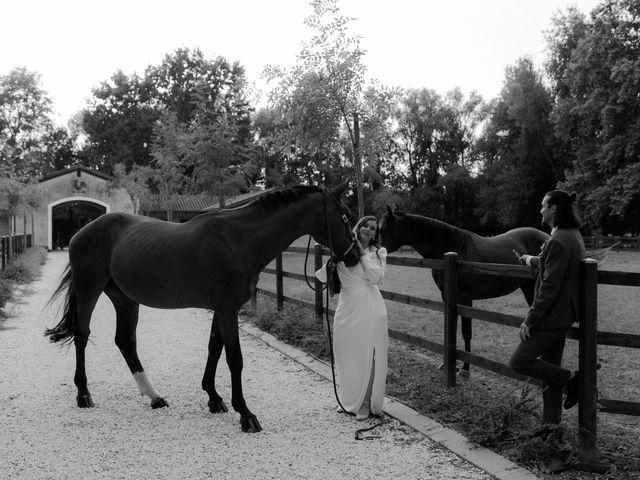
587 335
590 242
624 242
12 246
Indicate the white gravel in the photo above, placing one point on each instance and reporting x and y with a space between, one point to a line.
43 435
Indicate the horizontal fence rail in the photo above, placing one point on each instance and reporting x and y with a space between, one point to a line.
619 243
588 338
623 242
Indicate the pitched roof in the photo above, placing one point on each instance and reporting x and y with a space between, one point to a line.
183 203
81 168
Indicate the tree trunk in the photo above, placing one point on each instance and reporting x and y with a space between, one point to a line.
357 160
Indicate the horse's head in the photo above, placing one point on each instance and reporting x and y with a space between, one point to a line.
337 234
389 230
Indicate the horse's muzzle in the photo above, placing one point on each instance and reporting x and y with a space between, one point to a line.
350 257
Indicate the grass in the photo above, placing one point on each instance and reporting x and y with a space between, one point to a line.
494 411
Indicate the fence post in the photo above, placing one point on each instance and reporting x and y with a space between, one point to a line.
450 316
317 262
590 458
279 286
3 250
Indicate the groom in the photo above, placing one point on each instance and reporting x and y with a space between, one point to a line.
555 306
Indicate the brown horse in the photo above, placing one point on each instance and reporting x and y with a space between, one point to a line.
433 238
211 262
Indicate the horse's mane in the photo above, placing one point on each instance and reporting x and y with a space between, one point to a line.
277 198
441 233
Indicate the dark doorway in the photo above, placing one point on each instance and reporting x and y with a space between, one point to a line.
69 217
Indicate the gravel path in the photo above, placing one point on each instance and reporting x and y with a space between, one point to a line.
43 435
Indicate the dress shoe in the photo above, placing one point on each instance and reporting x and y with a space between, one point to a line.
572 391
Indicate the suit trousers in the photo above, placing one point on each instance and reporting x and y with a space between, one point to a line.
540 356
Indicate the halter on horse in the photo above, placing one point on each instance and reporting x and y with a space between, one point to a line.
433 238
212 261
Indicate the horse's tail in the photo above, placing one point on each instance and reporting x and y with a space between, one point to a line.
64 330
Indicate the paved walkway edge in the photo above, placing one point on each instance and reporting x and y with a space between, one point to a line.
483 458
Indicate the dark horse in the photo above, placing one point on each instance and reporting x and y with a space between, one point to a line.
211 261
433 238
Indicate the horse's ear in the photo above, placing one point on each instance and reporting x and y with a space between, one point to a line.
339 190
390 213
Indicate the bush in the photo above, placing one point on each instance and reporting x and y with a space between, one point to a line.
26 266
23 270
5 292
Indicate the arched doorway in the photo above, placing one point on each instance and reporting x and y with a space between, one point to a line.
67 216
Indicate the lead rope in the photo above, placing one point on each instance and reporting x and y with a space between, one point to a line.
360 431
327 288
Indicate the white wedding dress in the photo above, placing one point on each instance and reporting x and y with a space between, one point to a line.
360 332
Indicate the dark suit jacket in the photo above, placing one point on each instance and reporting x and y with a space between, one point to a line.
555 303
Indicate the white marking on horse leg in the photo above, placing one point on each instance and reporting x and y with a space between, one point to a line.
144 384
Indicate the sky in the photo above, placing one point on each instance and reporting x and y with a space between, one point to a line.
439 44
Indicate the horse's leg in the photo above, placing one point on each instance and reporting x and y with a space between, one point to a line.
83 399
528 290
465 323
85 296
125 339
228 323
216 404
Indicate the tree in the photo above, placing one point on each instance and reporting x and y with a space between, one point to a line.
595 69
119 123
221 145
169 150
59 151
226 167
432 139
24 121
135 182
419 117
186 79
322 94
120 120
520 165
19 198
10 190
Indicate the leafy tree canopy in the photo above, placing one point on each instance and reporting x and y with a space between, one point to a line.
595 69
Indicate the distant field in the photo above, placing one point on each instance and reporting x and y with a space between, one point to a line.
618 311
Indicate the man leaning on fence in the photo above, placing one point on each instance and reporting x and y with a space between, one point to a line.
555 305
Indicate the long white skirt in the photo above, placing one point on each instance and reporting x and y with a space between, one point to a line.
360 343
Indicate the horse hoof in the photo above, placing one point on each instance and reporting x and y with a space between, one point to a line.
84 401
159 403
217 406
463 373
250 424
